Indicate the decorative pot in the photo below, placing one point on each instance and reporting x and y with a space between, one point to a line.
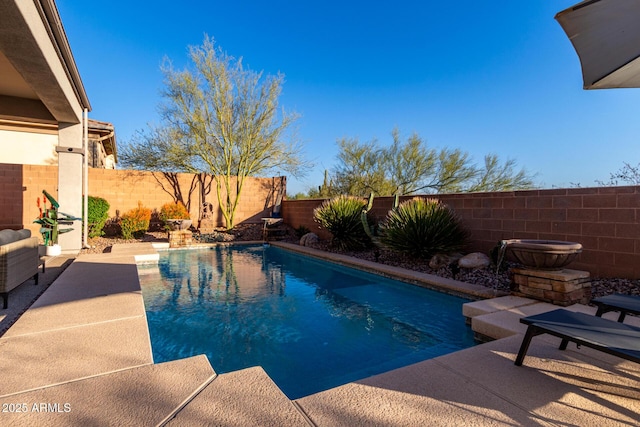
178 224
53 250
544 254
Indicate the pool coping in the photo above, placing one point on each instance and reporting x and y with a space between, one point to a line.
430 281
425 280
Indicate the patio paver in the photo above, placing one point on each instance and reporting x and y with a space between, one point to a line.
571 387
45 358
423 394
142 396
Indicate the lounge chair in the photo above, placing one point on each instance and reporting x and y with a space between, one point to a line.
625 304
605 335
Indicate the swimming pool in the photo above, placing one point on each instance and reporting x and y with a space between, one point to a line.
312 325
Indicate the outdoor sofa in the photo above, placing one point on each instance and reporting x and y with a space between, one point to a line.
19 260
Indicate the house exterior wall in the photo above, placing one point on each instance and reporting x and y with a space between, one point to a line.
35 144
605 220
28 148
44 79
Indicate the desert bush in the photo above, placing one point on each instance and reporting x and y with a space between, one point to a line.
341 216
135 223
97 215
423 227
174 211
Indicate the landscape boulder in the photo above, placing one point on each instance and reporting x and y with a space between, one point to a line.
474 260
309 239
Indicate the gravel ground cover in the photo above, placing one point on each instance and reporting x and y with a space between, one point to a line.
486 277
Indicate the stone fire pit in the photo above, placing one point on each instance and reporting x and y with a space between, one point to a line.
544 254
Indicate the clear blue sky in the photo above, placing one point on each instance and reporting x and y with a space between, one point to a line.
486 77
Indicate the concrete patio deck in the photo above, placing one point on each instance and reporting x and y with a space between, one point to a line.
81 355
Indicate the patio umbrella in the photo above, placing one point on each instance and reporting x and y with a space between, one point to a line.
606 36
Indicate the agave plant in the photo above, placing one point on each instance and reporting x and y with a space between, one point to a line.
423 227
341 217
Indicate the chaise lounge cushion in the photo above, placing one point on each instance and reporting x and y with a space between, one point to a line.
24 233
8 236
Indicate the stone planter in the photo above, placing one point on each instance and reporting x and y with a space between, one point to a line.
544 254
178 224
559 287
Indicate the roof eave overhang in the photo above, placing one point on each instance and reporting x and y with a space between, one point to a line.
33 39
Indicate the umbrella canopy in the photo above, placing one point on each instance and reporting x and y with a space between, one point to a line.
606 36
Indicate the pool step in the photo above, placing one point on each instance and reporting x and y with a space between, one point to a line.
505 323
486 306
497 318
144 252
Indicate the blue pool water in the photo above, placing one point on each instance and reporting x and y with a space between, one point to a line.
310 324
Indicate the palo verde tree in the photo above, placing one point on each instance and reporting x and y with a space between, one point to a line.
222 119
411 167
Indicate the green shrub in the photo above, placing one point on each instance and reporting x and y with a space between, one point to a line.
174 211
135 223
97 215
341 216
423 227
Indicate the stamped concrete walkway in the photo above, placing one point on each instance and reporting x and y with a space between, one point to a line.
81 355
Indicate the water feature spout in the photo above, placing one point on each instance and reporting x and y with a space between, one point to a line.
502 251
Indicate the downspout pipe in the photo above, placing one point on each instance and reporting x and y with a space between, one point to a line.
85 184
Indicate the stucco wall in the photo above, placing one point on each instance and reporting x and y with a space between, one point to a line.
28 147
605 220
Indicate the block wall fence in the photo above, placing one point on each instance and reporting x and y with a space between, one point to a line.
605 220
21 185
